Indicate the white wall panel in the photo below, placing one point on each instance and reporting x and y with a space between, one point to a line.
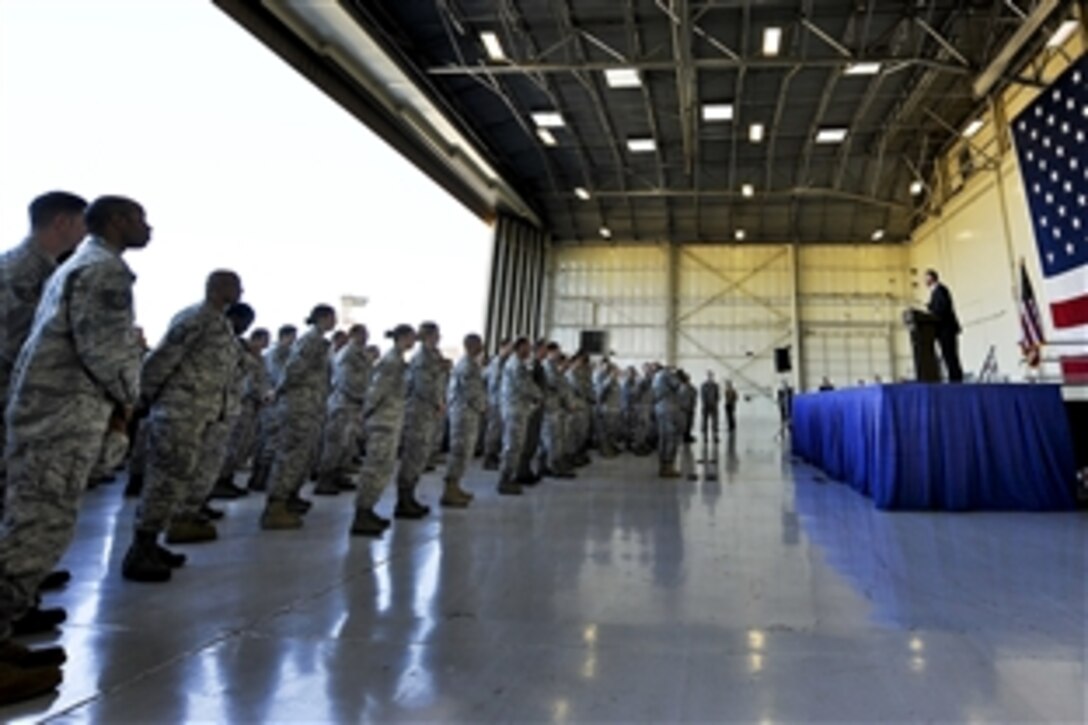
622 290
734 307
851 302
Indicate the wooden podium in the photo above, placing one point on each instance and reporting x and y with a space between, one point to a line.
923 336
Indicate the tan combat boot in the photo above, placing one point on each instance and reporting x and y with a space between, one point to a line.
190 530
454 496
278 517
668 471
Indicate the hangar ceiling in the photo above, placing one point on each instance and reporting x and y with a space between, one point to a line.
669 120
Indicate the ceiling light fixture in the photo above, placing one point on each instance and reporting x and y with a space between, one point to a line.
747 190
581 193
546 136
862 69
739 235
492 45
622 78
548 119
972 128
917 187
878 235
641 145
1062 34
772 41
755 132
718 112
831 135
606 232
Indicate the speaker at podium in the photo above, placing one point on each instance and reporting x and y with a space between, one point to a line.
923 336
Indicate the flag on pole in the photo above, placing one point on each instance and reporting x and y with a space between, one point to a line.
1031 325
1051 136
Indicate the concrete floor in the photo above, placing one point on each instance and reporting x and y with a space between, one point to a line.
763 595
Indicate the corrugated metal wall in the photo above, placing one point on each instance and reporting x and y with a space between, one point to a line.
622 290
515 299
727 307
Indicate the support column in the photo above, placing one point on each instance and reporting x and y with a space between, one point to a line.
673 301
798 377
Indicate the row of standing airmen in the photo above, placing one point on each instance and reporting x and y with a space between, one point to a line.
79 379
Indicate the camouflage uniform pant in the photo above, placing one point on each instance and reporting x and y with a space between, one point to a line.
553 441
464 430
174 440
493 433
45 484
534 426
381 457
416 446
299 426
515 429
668 434
110 456
213 452
265 449
137 459
340 439
242 440
644 424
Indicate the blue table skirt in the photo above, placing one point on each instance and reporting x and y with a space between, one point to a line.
953 447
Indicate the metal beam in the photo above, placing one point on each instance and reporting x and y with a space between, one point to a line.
942 41
698 63
799 192
651 113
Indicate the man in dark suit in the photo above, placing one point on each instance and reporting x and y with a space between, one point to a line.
948 326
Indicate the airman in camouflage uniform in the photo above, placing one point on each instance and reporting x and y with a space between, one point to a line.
350 379
183 383
56 227
466 399
628 405
643 434
301 397
553 450
383 420
424 408
256 394
80 362
194 522
520 397
493 431
580 379
667 411
275 359
606 388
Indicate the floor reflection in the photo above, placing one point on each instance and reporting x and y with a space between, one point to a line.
756 592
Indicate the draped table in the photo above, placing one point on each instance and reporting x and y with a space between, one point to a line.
953 447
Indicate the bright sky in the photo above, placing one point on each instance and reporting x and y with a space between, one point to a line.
239 162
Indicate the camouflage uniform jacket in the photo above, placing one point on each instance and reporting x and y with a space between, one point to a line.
274 361
466 389
350 376
385 396
666 388
494 379
519 390
306 373
82 356
23 272
425 388
193 369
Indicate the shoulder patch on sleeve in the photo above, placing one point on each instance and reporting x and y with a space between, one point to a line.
115 299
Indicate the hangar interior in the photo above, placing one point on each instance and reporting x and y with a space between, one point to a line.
709 181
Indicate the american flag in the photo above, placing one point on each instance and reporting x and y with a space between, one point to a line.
1031 325
1052 148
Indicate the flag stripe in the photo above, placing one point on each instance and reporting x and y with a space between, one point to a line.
1071 312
